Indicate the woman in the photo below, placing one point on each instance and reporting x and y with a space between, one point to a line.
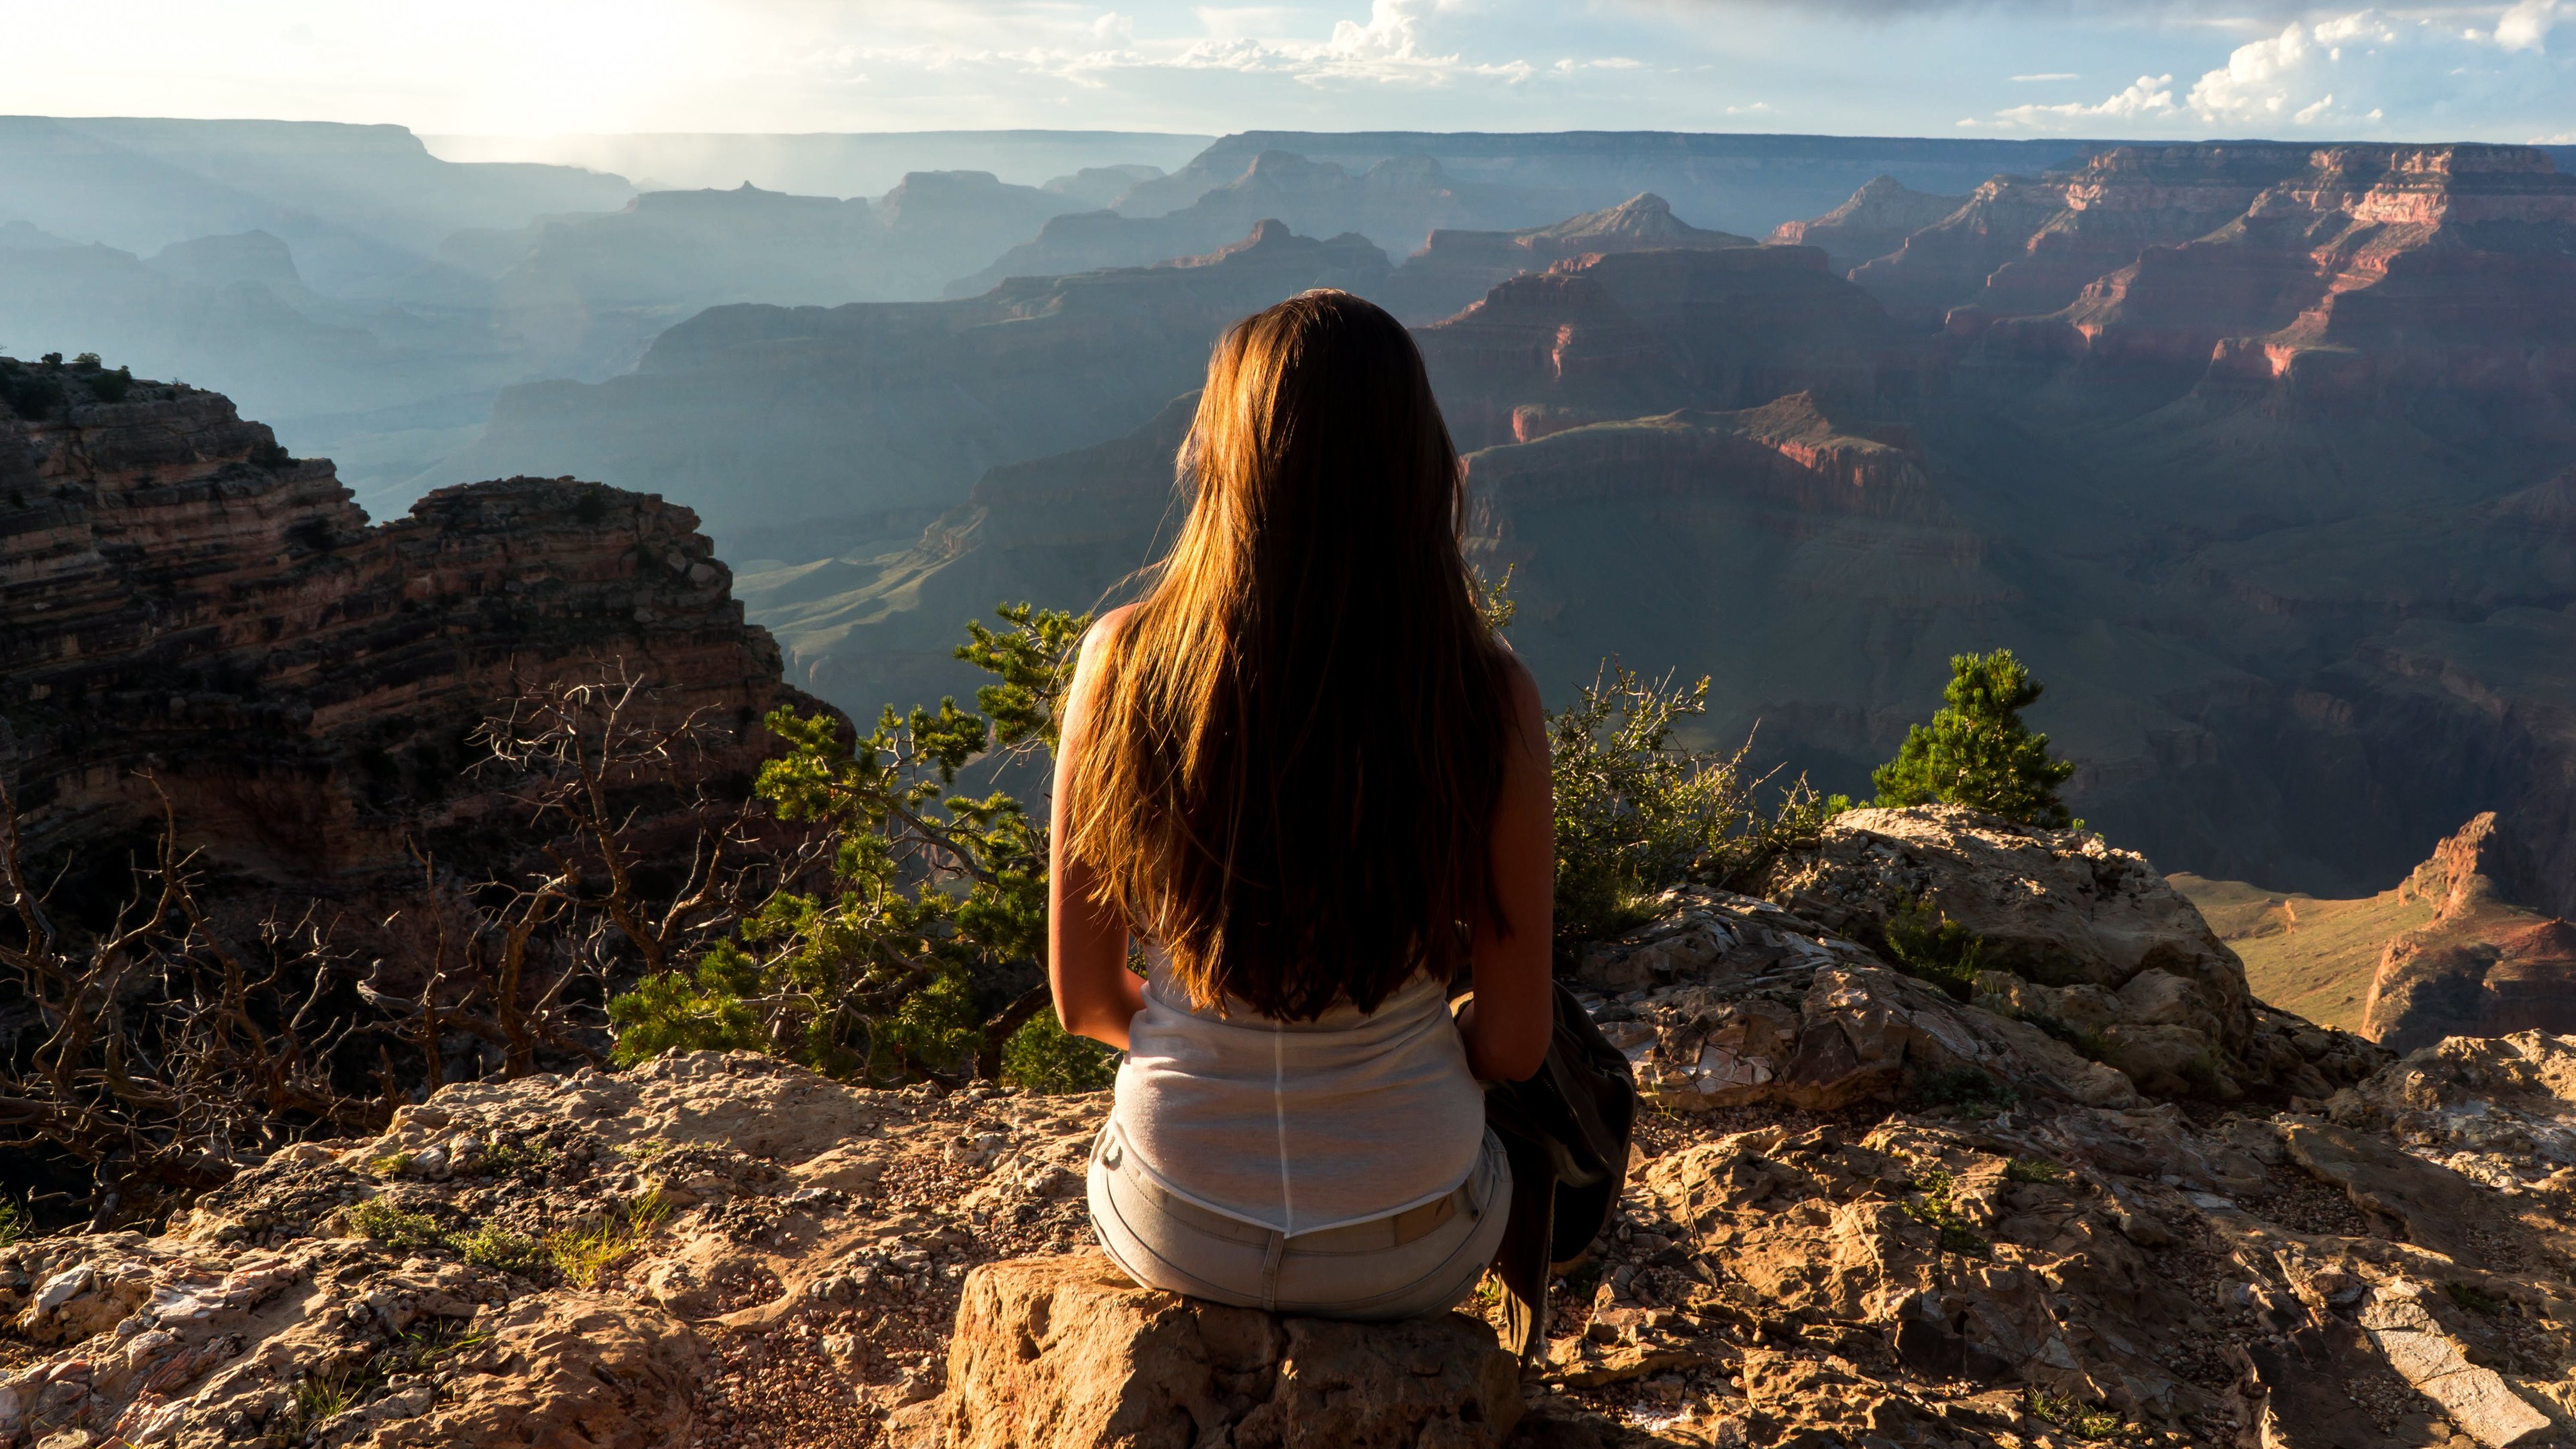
1309 779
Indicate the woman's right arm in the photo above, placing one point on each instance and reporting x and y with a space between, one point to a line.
1095 994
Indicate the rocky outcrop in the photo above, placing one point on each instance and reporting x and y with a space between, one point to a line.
181 597
2482 965
2058 907
634 1260
2449 951
1932 1222
780 416
1068 1352
1874 222
1455 268
2020 246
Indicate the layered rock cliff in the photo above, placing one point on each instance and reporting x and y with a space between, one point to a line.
183 598
2484 965
2451 950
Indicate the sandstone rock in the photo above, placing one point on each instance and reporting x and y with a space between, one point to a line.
2430 1205
1734 1001
2478 1399
1627 335
2055 906
2500 1111
300 680
1068 1352
600 1260
2483 965
1827 1257
2060 909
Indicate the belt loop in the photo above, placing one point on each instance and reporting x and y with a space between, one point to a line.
1270 1257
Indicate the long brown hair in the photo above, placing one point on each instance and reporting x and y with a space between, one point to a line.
1298 735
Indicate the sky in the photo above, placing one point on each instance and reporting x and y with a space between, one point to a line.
2093 68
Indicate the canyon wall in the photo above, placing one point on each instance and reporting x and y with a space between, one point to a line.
190 609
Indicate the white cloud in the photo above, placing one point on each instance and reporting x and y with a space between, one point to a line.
1394 44
2147 96
2428 70
2526 25
2050 75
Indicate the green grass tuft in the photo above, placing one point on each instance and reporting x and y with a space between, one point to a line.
2083 1420
1931 947
1939 1210
2034 1169
490 1246
584 1257
516 1159
399 1230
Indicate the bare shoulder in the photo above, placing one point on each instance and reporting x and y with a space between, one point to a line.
1105 628
1086 664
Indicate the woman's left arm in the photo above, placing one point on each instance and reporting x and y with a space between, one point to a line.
1095 994
1510 1022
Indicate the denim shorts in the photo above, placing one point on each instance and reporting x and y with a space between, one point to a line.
1423 1260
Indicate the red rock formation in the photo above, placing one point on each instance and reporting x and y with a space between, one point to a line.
1456 267
179 595
2484 966
1876 221
2121 202
2339 280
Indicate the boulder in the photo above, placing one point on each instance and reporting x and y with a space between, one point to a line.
2115 944
1726 1001
1066 1351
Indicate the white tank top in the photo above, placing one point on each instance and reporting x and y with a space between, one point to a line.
1300 1126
